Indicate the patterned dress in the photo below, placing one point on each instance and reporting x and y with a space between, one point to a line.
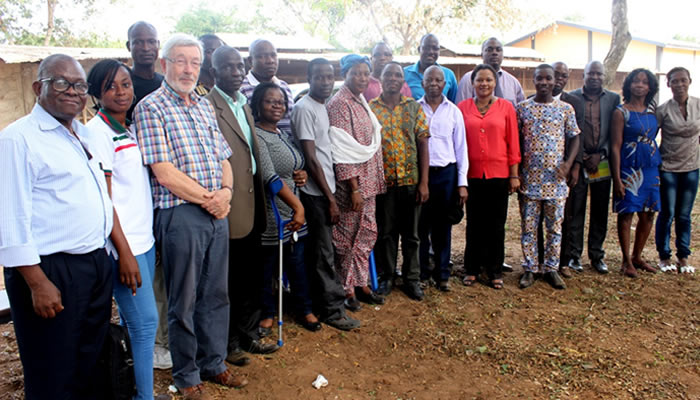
543 129
639 164
354 236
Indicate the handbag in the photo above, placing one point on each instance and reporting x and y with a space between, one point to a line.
455 211
117 362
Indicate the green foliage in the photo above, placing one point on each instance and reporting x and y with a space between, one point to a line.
686 38
202 20
18 27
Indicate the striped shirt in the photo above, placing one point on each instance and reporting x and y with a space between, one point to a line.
248 87
54 197
187 136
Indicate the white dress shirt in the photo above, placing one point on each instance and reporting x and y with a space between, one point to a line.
54 197
448 138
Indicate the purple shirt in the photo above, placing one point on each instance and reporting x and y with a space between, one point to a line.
248 87
448 140
374 89
508 88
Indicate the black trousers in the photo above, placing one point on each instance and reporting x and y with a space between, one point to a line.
598 223
59 355
327 293
245 286
487 210
397 217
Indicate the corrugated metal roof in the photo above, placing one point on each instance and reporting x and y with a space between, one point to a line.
509 52
22 54
297 42
670 44
10 54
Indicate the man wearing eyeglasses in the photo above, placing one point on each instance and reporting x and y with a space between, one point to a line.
192 186
56 217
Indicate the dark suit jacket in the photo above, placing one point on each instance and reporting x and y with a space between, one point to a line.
579 110
248 200
608 102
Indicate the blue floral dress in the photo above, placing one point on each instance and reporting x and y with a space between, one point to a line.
639 164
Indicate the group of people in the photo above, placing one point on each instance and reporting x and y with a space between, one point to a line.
175 197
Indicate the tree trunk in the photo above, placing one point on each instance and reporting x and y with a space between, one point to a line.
621 38
50 25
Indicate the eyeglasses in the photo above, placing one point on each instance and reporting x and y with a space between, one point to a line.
181 62
278 103
61 85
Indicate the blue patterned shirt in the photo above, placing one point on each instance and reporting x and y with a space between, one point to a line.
543 129
187 136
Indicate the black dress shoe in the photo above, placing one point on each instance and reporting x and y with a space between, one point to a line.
311 326
527 280
575 264
506 268
258 347
369 298
385 287
238 357
600 266
352 304
413 290
555 280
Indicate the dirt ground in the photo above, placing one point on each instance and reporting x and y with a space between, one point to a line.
604 337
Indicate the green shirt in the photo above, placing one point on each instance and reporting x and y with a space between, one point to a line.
239 112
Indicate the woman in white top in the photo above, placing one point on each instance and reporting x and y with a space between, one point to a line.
679 120
128 183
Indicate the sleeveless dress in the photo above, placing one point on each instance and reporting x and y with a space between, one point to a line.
639 164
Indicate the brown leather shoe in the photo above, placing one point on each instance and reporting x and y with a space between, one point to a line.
196 392
228 379
565 272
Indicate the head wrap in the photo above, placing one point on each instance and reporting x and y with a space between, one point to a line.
350 61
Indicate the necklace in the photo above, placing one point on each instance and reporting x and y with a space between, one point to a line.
483 109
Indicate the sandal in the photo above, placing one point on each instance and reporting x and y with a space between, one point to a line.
666 266
687 270
684 267
469 280
497 284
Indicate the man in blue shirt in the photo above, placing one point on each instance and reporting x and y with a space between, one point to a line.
429 51
57 216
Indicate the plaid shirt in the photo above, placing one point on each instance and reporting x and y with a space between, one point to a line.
248 87
186 136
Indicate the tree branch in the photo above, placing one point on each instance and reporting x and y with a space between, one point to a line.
620 39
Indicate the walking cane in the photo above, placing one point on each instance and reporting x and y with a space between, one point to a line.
273 189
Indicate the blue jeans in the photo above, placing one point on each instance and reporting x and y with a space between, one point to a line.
139 315
678 190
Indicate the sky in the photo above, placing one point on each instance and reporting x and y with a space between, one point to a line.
647 18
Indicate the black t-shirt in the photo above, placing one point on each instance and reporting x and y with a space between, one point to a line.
142 88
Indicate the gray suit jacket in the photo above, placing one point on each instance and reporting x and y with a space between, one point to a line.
248 200
608 102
